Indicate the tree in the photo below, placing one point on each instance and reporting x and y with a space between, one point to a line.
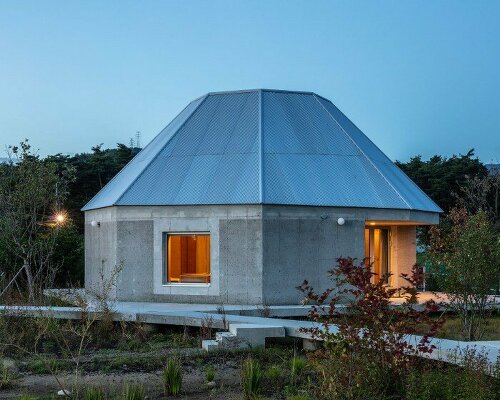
480 193
467 250
366 348
440 177
31 192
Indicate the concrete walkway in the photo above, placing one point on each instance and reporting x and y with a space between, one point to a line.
231 317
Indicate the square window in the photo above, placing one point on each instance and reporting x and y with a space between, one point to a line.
187 258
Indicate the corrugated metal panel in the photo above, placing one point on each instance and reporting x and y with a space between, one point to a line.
408 190
112 192
271 147
213 160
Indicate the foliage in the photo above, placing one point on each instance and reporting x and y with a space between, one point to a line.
251 379
465 381
481 193
172 377
31 193
93 393
210 373
467 248
6 377
440 176
273 373
298 365
366 347
133 391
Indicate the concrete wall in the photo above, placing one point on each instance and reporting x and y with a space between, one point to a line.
259 254
100 248
303 243
133 236
403 253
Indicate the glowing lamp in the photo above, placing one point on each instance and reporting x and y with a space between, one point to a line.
60 218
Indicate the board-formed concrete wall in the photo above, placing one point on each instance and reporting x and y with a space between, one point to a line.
259 254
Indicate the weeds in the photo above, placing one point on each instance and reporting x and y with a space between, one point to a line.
273 373
93 393
172 377
210 373
297 365
6 378
251 378
133 391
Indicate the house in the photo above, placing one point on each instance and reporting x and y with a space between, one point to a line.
243 196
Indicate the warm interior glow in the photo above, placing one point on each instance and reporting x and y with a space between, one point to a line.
188 258
377 251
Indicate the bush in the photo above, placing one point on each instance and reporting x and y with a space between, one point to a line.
172 377
251 378
210 373
368 354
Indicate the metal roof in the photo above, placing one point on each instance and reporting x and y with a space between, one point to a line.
262 147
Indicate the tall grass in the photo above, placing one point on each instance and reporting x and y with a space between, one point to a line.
93 393
251 378
172 377
133 391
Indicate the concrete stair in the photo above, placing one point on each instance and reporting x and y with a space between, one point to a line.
243 336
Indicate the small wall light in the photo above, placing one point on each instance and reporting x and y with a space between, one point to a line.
95 223
341 221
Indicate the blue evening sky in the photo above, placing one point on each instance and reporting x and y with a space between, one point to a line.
417 77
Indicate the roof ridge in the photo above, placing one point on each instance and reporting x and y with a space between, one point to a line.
261 150
364 154
222 92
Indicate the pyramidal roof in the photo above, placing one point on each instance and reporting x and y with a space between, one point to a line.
262 147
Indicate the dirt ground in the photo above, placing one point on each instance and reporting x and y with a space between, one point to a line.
194 386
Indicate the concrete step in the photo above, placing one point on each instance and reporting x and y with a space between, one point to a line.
254 335
224 337
209 345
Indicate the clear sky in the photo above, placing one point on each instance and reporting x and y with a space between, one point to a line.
417 77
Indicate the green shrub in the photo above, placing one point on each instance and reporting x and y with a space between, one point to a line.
133 391
210 373
172 377
251 378
273 373
93 393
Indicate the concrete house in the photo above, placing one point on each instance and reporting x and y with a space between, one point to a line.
243 196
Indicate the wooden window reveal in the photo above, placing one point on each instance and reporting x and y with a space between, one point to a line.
188 258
